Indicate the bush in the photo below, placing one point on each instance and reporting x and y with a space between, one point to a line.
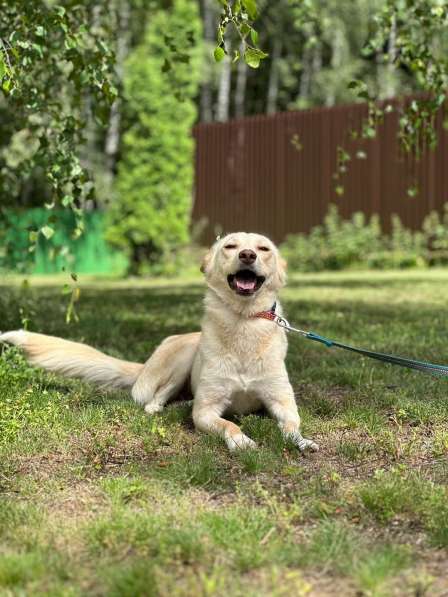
435 229
150 216
359 242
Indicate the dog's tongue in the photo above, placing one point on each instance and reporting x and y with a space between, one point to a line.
243 284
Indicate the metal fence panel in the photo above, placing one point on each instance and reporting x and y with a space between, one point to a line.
275 173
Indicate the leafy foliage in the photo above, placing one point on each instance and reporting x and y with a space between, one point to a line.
150 215
61 75
56 72
409 36
240 15
360 242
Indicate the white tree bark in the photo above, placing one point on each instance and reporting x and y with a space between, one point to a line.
222 107
336 62
112 141
390 83
241 80
206 100
305 77
271 102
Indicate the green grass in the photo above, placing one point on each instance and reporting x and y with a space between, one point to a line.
98 499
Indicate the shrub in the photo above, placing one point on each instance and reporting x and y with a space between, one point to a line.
435 230
150 215
359 242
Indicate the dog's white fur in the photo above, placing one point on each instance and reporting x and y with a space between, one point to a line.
236 363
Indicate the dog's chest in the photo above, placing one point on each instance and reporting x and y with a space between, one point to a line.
244 353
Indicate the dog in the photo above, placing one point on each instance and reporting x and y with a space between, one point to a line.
235 364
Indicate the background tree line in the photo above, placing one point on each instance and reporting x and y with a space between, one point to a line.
99 97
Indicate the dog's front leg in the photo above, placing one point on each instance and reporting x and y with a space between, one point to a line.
277 396
208 406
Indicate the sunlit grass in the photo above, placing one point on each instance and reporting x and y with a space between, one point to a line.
96 498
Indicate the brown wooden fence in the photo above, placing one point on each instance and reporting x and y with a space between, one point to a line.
275 174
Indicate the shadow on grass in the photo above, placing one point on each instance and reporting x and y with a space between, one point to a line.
347 281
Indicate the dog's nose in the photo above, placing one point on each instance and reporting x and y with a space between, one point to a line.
247 256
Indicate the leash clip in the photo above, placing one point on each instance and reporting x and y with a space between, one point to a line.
282 322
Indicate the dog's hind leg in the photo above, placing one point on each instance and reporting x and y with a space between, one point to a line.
165 372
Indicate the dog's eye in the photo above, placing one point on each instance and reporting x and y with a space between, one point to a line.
230 246
264 249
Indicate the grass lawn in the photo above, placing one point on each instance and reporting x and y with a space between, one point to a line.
98 499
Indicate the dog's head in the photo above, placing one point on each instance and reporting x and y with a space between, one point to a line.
244 265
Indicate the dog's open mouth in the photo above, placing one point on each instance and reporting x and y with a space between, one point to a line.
245 282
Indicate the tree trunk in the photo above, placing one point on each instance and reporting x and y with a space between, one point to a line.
389 87
222 108
112 141
305 77
206 101
312 64
241 80
271 102
336 63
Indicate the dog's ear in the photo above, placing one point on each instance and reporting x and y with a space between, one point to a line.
281 270
206 260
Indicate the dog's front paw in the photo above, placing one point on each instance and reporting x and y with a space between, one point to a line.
307 444
240 441
301 442
153 407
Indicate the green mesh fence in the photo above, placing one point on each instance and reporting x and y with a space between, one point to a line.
90 254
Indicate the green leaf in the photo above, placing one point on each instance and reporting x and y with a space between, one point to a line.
166 67
412 191
253 56
181 57
254 36
251 7
219 53
244 29
47 231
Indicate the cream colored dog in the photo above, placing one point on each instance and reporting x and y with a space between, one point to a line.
236 363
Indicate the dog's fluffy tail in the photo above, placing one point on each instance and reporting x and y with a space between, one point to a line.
74 359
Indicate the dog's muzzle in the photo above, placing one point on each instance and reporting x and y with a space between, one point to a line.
245 282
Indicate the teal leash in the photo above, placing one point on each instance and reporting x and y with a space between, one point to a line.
422 366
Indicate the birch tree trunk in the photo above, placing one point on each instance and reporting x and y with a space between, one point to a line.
271 101
112 141
222 107
241 80
336 63
206 100
390 83
305 78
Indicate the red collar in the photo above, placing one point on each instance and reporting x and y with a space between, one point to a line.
271 314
